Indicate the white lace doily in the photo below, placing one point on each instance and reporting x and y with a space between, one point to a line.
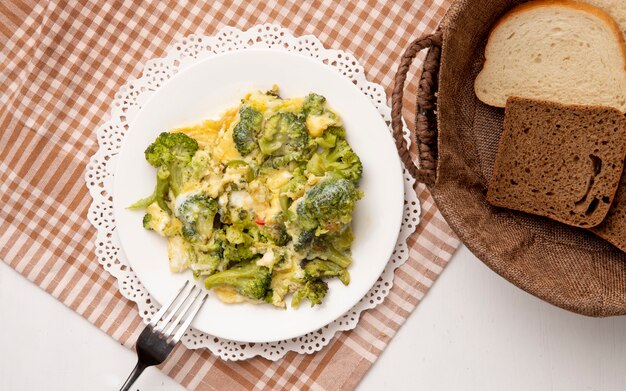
135 93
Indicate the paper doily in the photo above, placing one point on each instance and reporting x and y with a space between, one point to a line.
126 104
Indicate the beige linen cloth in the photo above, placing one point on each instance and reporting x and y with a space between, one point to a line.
62 62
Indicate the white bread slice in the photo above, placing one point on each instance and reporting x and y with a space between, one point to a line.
615 8
556 50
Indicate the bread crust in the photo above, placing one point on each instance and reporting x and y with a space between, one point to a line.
572 4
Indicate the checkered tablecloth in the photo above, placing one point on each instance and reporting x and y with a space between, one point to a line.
62 62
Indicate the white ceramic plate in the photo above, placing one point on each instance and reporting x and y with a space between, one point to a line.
203 91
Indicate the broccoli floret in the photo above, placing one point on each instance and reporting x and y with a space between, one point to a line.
235 235
330 137
303 239
199 166
328 205
237 254
313 289
160 192
205 264
197 213
330 253
245 132
169 148
146 221
171 153
313 104
269 296
339 161
276 234
250 280
237 245
294 189
242 235
319 268
284 134
333 247
323 247
317 116
209 258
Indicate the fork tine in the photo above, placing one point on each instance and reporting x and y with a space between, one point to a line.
186 293
155 319
189 318
182 313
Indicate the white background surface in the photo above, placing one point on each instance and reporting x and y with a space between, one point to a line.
473 331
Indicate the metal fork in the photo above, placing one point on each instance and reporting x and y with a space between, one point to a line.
160 336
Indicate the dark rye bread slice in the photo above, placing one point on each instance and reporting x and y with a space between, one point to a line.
613 227
559 161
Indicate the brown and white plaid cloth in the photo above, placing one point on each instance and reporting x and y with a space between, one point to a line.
62 62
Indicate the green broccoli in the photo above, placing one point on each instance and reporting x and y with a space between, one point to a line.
208 256
159 195
313 104
172 152
246 130
242 235
331 135
313 289
333 247
320 268
206 263
147 219
234 254
324 247
199 167
276 234
328 205
237 245
293 189
339 161
303 239
197 213
269 296
236 235
317 116
289 161
284 134
250 280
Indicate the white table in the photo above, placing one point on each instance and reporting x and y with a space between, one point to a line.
473 331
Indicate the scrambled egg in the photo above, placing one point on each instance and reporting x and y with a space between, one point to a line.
216 137
250 188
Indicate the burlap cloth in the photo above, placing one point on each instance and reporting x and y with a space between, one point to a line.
566 266
61 65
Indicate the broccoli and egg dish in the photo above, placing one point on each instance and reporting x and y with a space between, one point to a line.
258 203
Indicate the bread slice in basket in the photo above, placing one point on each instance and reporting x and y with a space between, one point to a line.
559 161
613 227
557 50
615 8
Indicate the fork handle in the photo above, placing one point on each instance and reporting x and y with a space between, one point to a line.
134 375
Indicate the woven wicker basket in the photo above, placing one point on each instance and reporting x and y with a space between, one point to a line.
457 137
